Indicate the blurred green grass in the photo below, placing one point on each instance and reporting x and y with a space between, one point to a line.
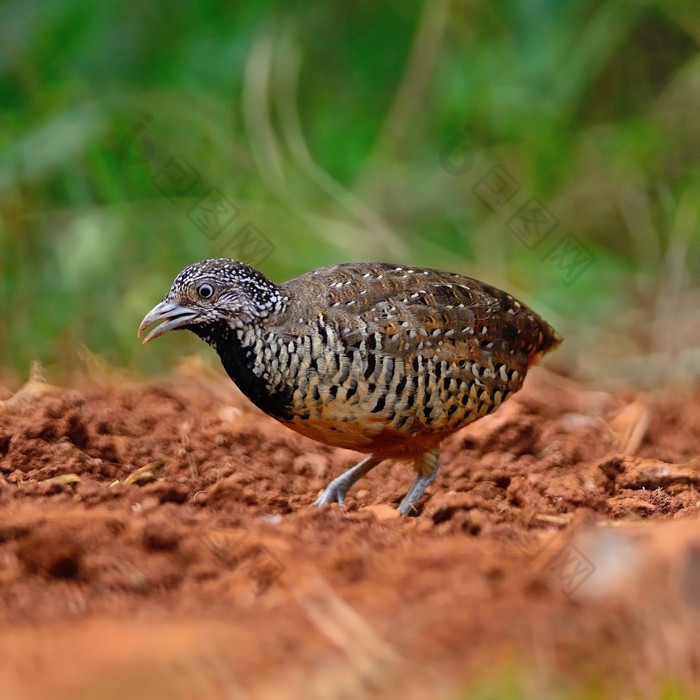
328 127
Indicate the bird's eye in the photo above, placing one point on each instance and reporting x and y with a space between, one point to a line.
205 291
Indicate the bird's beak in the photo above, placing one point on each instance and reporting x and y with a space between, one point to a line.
174 315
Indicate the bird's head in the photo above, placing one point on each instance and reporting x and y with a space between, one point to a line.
213 296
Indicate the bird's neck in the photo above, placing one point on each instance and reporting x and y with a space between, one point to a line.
243 355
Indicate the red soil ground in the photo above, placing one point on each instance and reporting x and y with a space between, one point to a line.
157 540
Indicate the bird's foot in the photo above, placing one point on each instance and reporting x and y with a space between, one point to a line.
408 505
336 491
333 493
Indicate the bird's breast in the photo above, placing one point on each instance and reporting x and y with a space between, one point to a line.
361 390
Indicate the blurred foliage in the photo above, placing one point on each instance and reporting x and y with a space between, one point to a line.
348 131
520 680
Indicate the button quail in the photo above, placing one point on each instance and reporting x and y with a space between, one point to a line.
383 359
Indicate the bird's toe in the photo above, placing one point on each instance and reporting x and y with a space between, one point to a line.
334 493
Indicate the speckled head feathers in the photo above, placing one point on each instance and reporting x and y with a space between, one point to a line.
214 296
226 289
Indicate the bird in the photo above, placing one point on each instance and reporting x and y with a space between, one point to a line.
380 358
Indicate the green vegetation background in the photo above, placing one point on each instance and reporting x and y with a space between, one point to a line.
350 131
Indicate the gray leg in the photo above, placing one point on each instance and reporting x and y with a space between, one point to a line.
408 505
335 491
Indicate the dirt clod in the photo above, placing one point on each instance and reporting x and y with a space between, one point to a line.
52 553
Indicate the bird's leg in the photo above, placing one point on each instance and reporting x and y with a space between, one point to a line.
430 463
335 491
